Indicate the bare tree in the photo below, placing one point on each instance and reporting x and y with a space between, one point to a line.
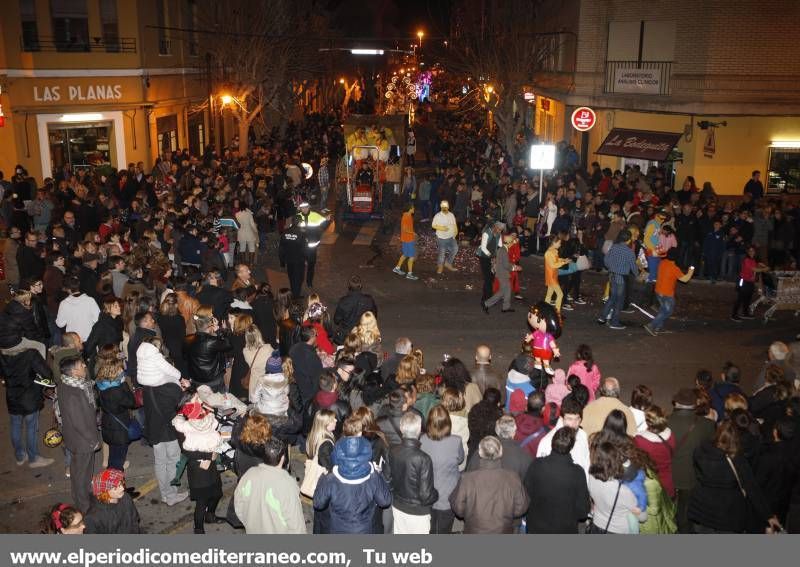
499 48
261 51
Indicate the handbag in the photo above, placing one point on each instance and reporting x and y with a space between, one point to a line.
311 477
582 263
134 428
138 396
246 377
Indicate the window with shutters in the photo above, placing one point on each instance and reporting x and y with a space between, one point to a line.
30 30
110 25
70 25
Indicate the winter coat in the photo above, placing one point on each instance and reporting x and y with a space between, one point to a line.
173 329
660 448
218 298
514 459
689 430
354 490
205 358
152 368
78 420
589 378
349 311
107 330
717 501
484 376
106 518
138 337
389 423
517 381
447 454
558 390
264 318
116 402
160 408
307 370
17 322
39 312
596 412
425 403
89 279
23 397
267 501
482 418
559 495
248 231
412 478
489 499
527 425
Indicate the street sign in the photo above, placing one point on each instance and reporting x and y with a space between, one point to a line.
583 119
543 156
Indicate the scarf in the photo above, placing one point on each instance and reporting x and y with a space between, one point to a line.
81 383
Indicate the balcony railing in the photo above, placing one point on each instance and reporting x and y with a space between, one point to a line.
79 45
638 77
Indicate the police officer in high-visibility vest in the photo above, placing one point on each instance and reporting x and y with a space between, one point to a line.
292 251
313 224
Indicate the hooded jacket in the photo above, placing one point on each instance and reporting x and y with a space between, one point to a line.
354 490
558 390
516 380
78 314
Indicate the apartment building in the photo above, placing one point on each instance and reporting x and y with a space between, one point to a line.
94 82
709 89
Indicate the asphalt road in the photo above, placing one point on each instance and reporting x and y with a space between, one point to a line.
441 314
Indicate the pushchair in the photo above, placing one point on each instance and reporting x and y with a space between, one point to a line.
227 409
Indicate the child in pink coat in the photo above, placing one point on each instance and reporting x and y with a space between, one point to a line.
585 369
558 390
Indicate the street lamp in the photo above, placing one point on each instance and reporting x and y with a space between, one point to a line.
226 99
420 35
341 81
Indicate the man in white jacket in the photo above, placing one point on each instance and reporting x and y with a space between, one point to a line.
77 313
571 415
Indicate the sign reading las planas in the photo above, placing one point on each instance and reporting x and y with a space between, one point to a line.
78 92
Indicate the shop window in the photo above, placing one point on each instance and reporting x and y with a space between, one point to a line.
80 145
30 30
784 170
110 24
70 25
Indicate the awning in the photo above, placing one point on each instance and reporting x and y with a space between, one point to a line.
639 144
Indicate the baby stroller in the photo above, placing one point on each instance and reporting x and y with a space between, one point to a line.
227 409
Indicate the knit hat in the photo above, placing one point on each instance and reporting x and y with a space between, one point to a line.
685 398
274 363
193 410
518 402
352 456
106 480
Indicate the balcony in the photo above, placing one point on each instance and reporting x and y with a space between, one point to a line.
78 44
638 77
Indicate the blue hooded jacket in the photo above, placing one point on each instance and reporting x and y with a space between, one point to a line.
354 490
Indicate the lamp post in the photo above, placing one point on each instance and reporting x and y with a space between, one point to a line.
420 35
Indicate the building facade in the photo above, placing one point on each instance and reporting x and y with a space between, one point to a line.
99 82
719 75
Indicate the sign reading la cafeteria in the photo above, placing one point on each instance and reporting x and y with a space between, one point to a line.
77 92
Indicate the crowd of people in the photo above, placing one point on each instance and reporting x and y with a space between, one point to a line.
136 312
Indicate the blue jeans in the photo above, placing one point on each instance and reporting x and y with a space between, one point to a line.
667 306
31 435
616 299
116 456
652 267
447 245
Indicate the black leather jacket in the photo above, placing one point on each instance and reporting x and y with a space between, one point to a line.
412 478
205 358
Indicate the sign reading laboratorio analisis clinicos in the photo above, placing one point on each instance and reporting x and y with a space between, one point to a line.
583 119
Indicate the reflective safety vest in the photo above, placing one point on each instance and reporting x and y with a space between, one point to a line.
312 226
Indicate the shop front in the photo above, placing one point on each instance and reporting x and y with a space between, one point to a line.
723 150
82 122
